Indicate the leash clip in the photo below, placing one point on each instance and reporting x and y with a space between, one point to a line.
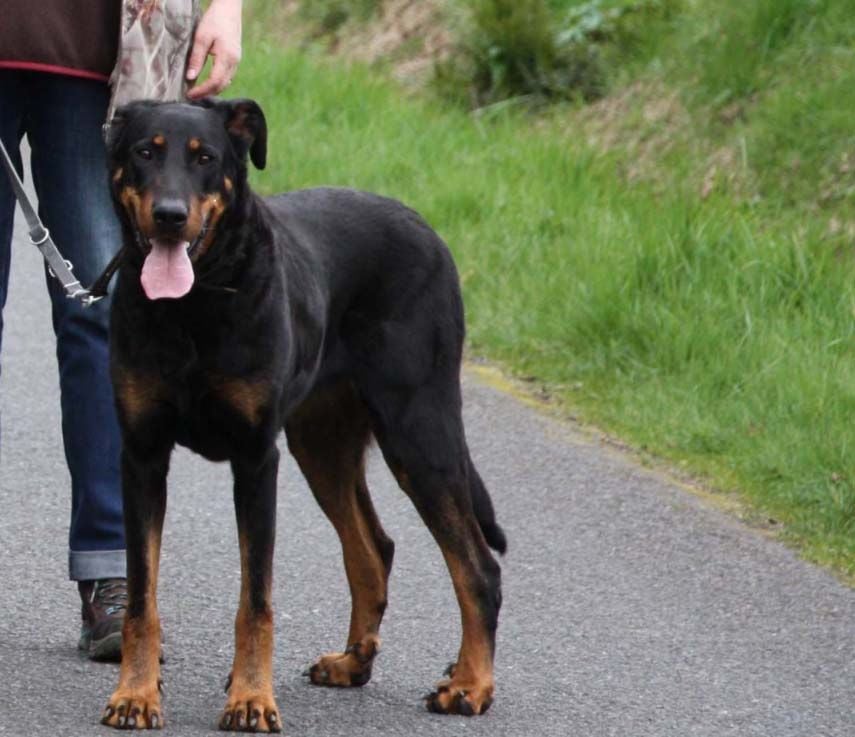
41 241
50 269
90 300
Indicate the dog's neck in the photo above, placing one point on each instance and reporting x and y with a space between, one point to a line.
236 245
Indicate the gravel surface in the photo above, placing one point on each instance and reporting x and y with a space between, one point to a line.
630 609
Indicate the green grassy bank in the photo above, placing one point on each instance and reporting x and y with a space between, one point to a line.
712 325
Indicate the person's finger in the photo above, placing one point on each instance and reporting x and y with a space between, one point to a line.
221 77
201 46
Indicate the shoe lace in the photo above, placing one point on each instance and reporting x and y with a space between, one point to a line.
112 594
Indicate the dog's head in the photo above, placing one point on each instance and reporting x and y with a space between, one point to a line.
177 169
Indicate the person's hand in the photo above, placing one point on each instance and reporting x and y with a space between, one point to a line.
218 34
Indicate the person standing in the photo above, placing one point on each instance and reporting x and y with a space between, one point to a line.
64 67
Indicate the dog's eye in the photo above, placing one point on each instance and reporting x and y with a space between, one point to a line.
144 153
205 159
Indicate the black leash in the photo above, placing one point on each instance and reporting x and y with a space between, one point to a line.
40 238
99 286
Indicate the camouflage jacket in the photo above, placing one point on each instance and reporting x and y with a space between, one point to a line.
155 41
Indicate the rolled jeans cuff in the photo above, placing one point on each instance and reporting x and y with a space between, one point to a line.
90 565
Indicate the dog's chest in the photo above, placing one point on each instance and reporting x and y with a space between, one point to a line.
215 413
215 391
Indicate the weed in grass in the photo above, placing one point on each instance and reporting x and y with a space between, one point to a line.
510 49
540 51
623 24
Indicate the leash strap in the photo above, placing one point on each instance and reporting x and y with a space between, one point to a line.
99 286
40 238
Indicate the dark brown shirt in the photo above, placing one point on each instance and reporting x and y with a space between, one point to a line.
76 37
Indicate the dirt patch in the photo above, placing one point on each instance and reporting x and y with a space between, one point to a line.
277 22
647 122
645 119
409 35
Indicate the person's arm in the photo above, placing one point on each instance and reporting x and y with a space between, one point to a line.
218 35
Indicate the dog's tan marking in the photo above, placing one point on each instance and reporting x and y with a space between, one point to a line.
328 435
136 701
137 394
228 184
340 488
139 206
194 144
117 175
204 211
469 690
251 705
237 125
248 397
159 140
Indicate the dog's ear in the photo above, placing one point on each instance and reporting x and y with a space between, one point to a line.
247 128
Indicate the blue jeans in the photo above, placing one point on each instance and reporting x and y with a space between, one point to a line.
62 118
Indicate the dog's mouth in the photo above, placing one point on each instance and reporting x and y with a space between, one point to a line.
167 272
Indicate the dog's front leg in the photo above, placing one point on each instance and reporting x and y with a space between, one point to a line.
251 705
136 702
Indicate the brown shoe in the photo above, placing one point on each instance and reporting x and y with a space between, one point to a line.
103 610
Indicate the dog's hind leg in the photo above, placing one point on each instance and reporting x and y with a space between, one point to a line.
328 436
421 435
251 705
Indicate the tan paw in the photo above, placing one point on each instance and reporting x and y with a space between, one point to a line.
350 668
134 709
248 711
460 695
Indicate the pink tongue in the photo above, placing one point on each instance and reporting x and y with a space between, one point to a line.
167 271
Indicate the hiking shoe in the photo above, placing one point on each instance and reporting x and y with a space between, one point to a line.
103 610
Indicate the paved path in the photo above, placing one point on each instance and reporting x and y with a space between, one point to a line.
630 609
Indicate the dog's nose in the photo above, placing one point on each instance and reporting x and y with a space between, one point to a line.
170 214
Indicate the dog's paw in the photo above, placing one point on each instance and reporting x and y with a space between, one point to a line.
459 695
250 712
133 709
350 668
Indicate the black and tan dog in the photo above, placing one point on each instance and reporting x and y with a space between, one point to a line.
332 313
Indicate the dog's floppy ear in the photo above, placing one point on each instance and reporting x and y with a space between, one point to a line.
247 128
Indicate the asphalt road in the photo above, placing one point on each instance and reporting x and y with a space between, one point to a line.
630 608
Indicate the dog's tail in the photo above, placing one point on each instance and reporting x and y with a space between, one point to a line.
483 506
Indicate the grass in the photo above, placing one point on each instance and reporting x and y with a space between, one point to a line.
715 332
